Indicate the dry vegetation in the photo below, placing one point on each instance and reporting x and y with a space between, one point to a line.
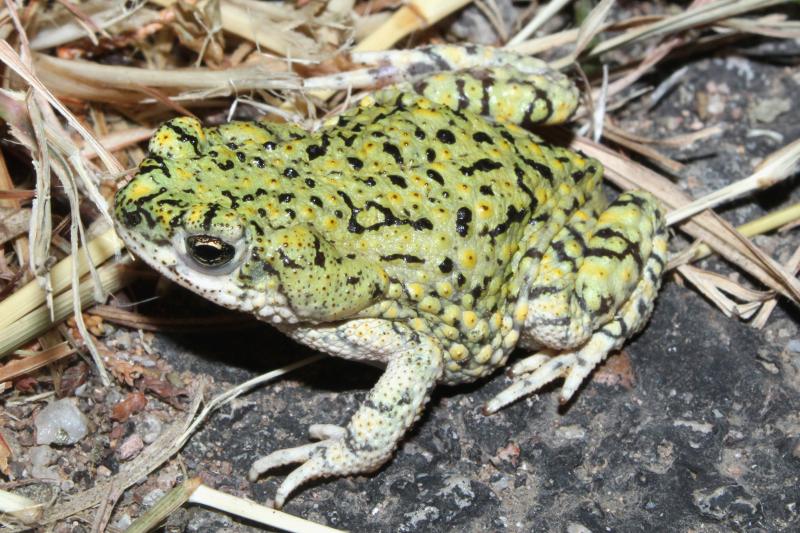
84 83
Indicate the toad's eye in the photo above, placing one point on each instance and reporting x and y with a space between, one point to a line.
209 251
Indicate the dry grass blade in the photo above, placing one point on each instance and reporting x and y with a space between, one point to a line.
413 16
250 510
702 15
23 509
792 265
714 287
28 364
12 59
31 325
13 222
776 167
589 30
31 296
96 82
543 14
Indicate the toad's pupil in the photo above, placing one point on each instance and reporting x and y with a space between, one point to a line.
209 251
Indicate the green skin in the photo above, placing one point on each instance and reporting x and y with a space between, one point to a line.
424 229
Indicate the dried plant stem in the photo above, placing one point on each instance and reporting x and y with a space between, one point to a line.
543 14
776 167
414 15
170 502
768 222
112 278
21 508
248 509
32 295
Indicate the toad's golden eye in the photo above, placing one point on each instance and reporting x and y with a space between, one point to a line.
209 251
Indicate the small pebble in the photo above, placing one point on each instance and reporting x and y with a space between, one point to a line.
130 448
61 423
42 455
151 428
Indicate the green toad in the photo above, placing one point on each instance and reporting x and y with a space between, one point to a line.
426 229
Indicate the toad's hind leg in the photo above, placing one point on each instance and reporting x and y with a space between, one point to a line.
502 85
590 296
391 407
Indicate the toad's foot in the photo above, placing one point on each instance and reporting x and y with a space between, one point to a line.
371 436
538 370
330 456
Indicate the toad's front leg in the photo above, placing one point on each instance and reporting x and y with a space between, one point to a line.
414 366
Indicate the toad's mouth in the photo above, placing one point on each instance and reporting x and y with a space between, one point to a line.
222 289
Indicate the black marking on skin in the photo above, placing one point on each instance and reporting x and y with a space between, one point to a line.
399 181
316 201
257 227
290 173
631 249
378 134
184 137
319 257
446 266
342 122
288 261
316 150
154 162
641 307
258 162
234 200
483 165
171 201
232 145
311 183
430 155
435 176
147 198
508 137
463 101
285 197
355 163
240 156
338 213
578 175
476 291
486 190
348 141
209 216
446 136
461 280
370 181
487 83
513 215
419 134
463 218
393 151
405 257
227 165
262 212
541 95
630 199
481 137
248 198
261 192
543 290
389 218
353 280
534 203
